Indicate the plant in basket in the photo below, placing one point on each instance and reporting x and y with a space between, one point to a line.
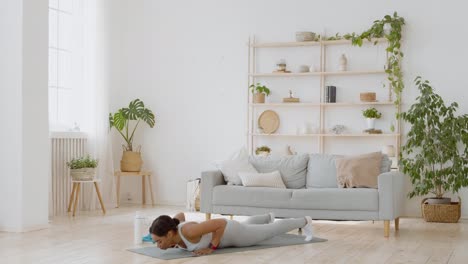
259 91
126 121
435 155
263 151
83 168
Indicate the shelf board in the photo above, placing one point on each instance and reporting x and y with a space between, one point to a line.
299 74
328 135
292 74
362 135
286 104
348 42
358 103
353 72
286 44
285 135
311 43
321 104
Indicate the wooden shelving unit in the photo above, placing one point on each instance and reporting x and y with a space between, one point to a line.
320 106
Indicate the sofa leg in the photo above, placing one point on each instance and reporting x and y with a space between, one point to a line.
386 228
397 223
208 216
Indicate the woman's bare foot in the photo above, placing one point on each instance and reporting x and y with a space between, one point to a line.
180 216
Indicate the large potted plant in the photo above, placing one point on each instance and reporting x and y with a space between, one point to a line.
126 121
435 155
83 168
259 91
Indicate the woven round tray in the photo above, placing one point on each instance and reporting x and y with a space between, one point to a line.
442 213
269 121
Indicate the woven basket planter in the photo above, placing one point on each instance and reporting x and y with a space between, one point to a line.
85 174
259 98
131 161
442 213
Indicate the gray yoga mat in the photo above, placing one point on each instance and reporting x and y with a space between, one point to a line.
175 253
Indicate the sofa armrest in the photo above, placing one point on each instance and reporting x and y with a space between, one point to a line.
209 179
391 195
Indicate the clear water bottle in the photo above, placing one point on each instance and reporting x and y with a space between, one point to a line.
138 228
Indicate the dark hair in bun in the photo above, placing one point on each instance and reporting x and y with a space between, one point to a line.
163 224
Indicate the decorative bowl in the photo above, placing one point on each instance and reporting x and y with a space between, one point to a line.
305 36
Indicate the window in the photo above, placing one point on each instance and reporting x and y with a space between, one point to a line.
65 62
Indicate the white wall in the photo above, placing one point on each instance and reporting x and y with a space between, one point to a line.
11 107
25 152
187 61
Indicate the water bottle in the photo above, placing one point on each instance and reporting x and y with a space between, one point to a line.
138 228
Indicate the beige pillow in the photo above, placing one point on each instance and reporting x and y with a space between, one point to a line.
270 179
359 171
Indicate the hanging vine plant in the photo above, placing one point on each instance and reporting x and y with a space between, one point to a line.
378 30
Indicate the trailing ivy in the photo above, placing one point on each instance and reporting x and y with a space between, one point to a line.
393 67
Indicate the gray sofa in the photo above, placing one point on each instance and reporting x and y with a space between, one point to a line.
314 192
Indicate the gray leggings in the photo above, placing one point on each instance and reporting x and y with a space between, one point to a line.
257 229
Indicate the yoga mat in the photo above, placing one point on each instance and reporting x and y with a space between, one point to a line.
175 253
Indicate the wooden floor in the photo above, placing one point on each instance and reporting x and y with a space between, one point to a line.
93 238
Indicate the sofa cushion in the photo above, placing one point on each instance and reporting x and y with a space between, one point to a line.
359 171
321 171
386 164
358 199
251 196
293 168
238 162
269 179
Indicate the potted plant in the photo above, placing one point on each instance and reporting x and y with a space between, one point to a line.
371 114
126 121
435 155
83 168
263 151
259 92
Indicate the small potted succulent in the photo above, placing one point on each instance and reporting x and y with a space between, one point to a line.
83 168
371 114
262 151
259 92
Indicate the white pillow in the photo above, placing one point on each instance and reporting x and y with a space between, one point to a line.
269 179
239 162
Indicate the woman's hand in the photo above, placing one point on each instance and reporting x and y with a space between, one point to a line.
203 251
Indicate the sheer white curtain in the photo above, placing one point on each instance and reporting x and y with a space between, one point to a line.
97 91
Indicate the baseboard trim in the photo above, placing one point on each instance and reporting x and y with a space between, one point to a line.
23 229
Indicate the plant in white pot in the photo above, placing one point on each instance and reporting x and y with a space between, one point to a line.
83 168
371 114
126 121
262 151
259 91
435 155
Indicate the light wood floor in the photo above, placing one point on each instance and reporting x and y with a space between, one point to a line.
93 238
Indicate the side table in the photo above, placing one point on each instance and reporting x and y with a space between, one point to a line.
76 192
148 174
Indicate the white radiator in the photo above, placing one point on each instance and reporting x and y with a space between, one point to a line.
64 147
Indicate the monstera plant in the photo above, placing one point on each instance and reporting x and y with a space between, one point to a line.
126 120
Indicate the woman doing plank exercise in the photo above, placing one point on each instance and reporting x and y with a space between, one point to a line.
202 238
